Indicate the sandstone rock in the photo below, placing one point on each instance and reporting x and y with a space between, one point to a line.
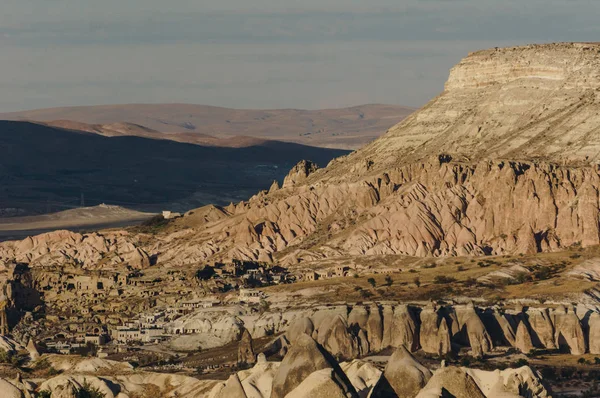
34 354
298 327
479 339
569 334
594 333
404 329
363 375
338 341
233 388
304 358
363 343
509 383
403 377
65 386
245 350
388 324
358 317
299 173
451 382
523 339
434 335
319 384
9 390
374 329
542 328
258 381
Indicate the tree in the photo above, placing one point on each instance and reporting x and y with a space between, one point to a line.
372 282
389 280
89 391
417 281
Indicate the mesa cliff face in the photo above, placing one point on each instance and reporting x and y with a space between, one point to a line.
504 161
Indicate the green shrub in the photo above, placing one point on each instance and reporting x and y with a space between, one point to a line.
372 282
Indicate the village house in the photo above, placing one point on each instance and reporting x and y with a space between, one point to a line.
250 296
311 276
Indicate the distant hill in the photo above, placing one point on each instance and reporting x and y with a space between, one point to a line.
346 128
46 169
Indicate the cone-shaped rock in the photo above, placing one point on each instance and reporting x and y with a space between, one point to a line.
403 377
34 353
245 350
523 340
453 382
304 357
299 327
233 388
479 339
319 384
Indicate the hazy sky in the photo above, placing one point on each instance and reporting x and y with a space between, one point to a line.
260 53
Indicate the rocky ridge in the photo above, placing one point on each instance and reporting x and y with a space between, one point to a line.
502 162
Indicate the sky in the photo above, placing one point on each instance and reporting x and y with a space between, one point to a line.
306 54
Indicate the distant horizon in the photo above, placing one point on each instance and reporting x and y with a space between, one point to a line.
205 105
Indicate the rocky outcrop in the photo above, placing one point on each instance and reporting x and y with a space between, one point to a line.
569 335
305 357
320 383
594 333
245 350
374 329
451 381
34 353
434 335
338 340
403 377
299 327
509 383
404 331
523 340
363 375
476 333
299 173
88 251
542 328
9 390
233 388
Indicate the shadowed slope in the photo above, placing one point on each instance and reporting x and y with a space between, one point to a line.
45 167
